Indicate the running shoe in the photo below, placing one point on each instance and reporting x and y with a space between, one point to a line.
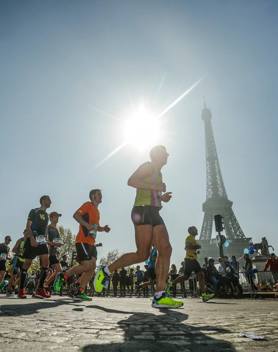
207 296
58 284
21 293
41 293
10 294
83 296
166 301
101 280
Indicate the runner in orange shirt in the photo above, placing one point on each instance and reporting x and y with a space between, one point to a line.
88 218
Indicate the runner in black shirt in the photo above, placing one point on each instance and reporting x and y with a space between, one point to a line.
36 245
4 251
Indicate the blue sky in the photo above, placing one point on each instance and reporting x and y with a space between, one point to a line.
62 61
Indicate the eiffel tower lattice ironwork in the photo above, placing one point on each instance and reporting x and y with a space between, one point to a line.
217 201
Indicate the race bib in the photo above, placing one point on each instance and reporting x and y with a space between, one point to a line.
3 256
58 241
41 239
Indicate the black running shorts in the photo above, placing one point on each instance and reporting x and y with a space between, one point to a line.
85 251
191 265
146 215
53 260
31 252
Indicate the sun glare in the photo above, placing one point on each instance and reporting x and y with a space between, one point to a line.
142 129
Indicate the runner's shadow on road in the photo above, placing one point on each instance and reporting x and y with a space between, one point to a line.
30 308
165 332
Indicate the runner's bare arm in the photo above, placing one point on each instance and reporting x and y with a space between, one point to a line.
105 228
136 180
29 234
77 216
166 197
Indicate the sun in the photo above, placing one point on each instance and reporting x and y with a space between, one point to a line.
142 129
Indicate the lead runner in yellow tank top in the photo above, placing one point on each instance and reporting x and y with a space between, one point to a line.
150 229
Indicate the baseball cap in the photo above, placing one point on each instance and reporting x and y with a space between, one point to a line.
54 213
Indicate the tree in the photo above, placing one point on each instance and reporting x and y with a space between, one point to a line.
69 242
110 258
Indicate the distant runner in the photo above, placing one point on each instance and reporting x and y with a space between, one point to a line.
36 246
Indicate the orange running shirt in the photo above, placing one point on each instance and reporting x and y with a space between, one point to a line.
89 212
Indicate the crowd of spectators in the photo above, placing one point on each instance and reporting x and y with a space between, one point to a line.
222 276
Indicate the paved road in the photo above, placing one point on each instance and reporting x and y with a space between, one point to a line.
130 324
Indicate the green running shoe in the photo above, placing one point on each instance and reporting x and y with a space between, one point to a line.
166 301
207 296
58 284
83 296
101 280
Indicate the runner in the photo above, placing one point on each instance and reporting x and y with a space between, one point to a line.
17 263
54 242
149 227
191 264
36 245
4 252
88 218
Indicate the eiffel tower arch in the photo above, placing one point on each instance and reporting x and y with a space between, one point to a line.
217 202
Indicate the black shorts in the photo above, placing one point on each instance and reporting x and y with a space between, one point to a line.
146 215
191 265
85 251
2 265
32 252
53 260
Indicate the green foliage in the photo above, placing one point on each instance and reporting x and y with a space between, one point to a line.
68 240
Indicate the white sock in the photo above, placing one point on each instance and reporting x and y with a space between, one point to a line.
106 270
158 294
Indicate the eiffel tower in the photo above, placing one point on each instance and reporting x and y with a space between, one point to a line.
217 202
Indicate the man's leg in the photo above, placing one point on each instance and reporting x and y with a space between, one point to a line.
56 269
90 266
40 291
23 273
2 275
143 238
201 279
164 249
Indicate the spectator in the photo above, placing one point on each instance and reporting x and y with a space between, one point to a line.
173 275
130 281
234 264
139 279
181 273
115 282
212 275
249 271
123 281
272 264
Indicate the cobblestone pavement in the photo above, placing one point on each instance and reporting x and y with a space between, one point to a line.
130 324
